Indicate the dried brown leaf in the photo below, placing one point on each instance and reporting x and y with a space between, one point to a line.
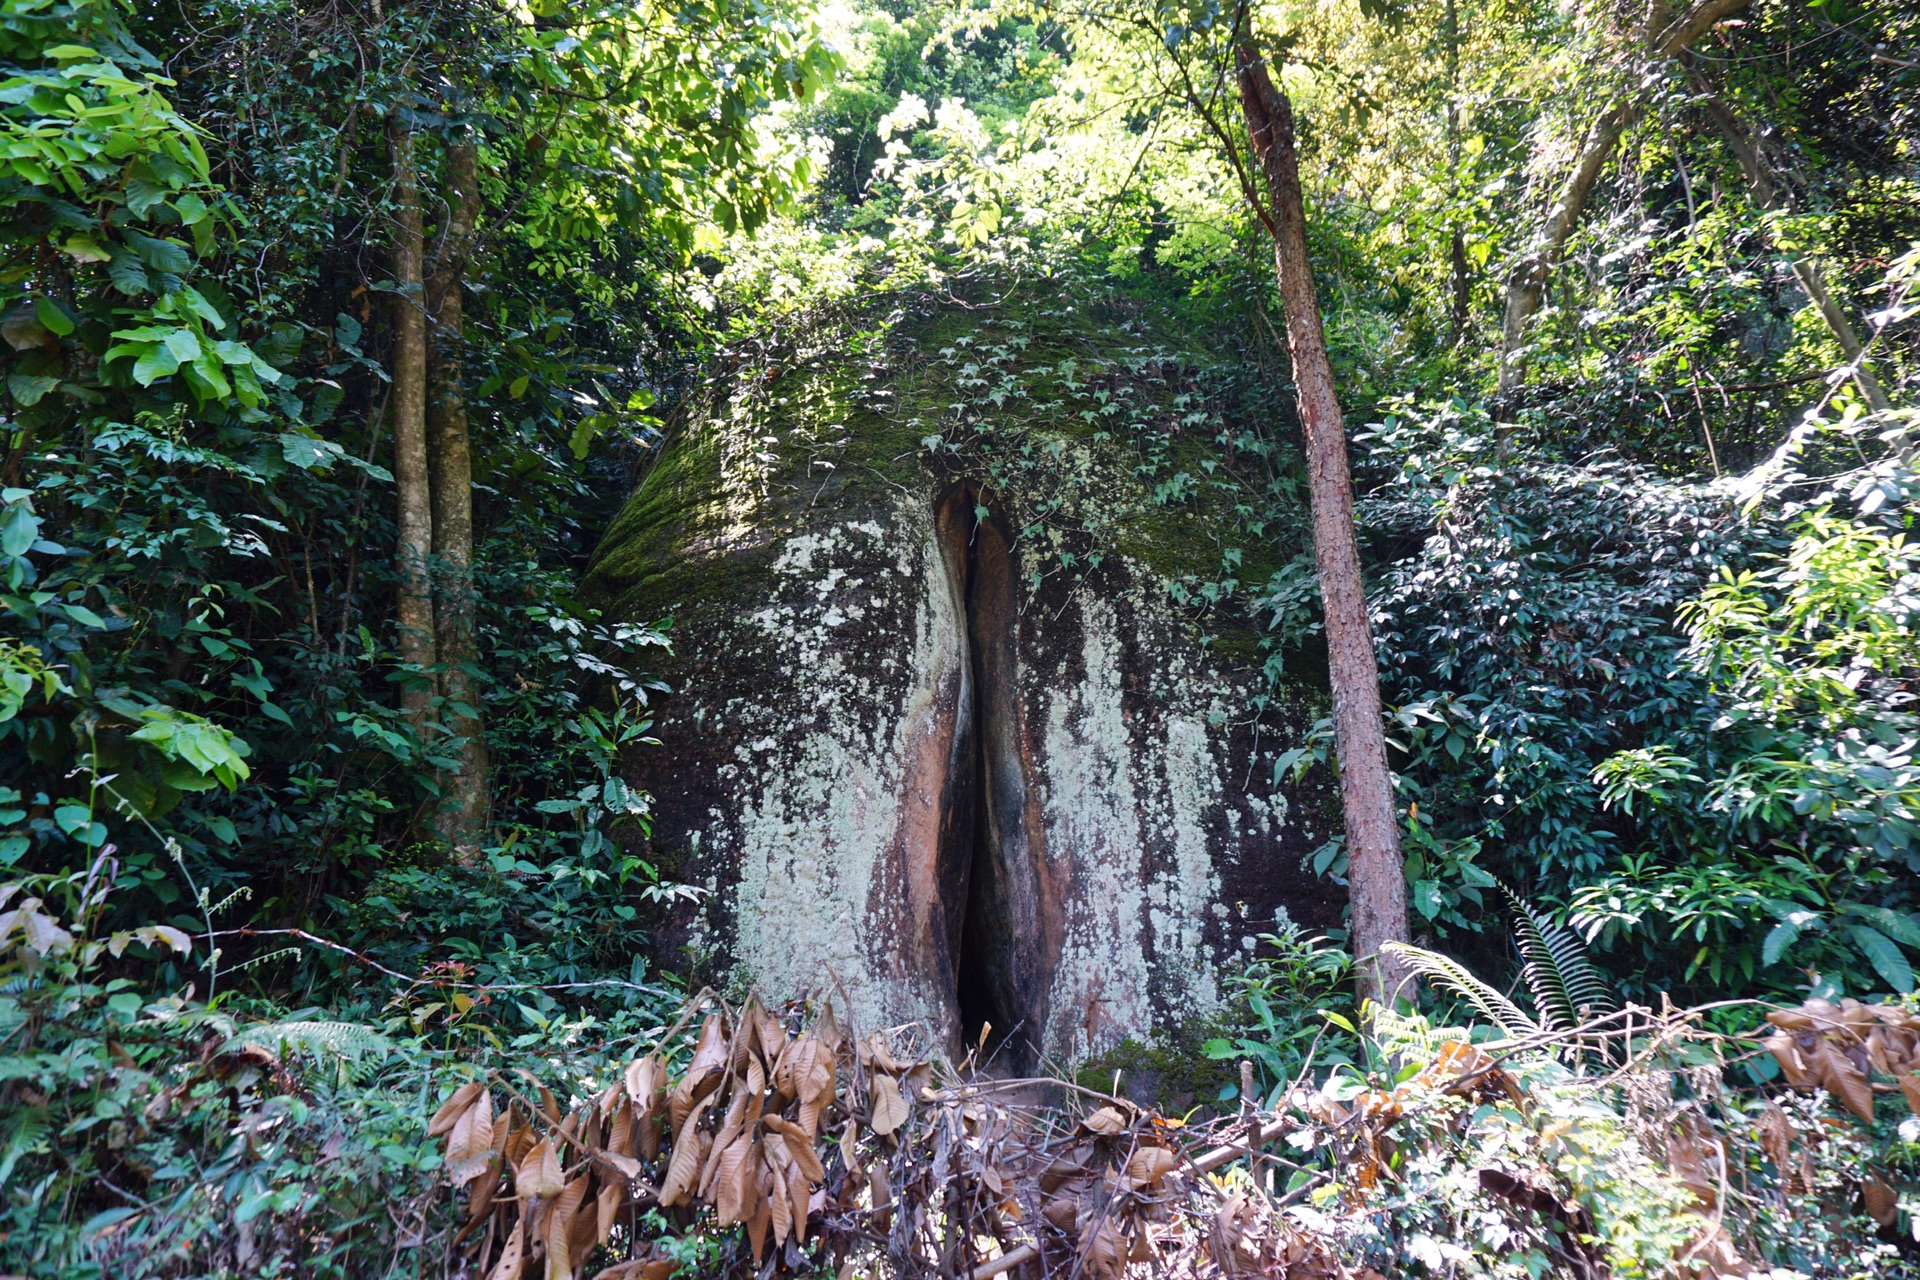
709 1062
1149 1165
771 1034
1059 1173
606 1211
878 1054
732 1182
710 1168
799 1147
797 1198
1103 1252
451 1110
1106 1122
470 1141
1845 1081
1776 1141
850 1148
539 1175
559 1229
890 1109
513 1258
644 1079
625 1166
1882 1202
1787 1053
745 1033
684 1168
757 1225
1063 1211
775 1188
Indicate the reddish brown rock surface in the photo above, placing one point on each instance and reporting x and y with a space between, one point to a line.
925 757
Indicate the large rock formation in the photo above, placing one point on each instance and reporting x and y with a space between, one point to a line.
944 735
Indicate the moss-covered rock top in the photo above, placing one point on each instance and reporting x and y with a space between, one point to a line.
1081 418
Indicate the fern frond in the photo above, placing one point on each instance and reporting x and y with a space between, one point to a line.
344 1040
1566 988
1450 973
21 1132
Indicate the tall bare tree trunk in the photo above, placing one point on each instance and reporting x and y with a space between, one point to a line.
1459 271
1376 881
1527 282
1664 37
1806 268
413 547
462 816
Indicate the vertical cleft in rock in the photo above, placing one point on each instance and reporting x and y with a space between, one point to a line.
999 910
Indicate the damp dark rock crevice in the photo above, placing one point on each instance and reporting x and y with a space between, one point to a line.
998 908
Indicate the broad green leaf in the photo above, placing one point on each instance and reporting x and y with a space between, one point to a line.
85 249
53 317
158 362
19 528
30 389
1884 956
1779 938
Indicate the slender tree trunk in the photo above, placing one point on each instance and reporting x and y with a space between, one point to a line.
1460 276
1527 282
1806 268
462 816
1375 878
413 548
1665 36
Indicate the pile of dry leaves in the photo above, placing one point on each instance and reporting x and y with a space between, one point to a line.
853 1154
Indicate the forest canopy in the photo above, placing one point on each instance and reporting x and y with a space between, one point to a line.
1520 393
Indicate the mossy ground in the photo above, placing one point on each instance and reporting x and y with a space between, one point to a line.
1171 1072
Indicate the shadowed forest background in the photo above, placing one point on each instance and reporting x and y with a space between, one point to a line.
348 347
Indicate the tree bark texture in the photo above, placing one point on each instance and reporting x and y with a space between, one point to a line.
413 544
1806 268
1665 37
1375 877
462 816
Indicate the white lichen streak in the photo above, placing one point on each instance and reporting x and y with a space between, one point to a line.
817 818
1099 990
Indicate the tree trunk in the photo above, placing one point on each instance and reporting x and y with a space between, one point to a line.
1375 878
1527 281
1806 268
413 547
462 816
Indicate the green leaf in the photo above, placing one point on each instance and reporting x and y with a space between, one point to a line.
1896 925
198 304
85 249
309 453
19 530
1884 956
161 255
156 363
30 389
1779 938
53 317
184 344
126 273
1427 899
